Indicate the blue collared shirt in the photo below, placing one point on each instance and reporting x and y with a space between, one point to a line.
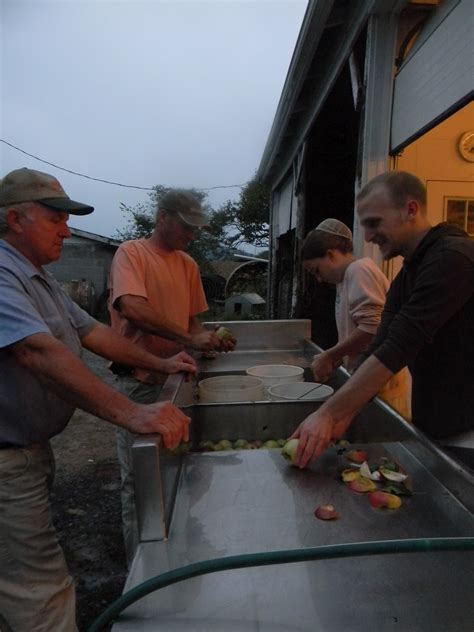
32 302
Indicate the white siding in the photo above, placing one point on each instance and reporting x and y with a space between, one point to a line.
285 207
438 75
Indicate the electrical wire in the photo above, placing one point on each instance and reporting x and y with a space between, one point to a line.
118 184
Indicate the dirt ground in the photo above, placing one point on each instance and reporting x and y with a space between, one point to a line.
86 507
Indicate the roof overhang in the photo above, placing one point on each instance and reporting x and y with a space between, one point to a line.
328 34
84 234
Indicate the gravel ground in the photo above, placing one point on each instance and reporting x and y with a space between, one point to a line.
86 507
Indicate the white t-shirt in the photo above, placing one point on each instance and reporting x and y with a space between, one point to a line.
360 299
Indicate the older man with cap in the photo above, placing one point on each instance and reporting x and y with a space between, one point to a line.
427 323
41 383
155 298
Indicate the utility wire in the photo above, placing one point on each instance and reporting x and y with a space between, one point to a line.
118 184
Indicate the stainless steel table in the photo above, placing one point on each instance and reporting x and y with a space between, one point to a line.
202 506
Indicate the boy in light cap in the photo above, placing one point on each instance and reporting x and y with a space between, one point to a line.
361 287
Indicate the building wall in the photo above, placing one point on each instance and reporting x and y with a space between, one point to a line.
439 72
86 259
436 160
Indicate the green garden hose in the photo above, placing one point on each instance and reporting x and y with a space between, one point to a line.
418 545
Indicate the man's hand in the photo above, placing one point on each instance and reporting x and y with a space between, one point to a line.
180 362
205 340
323 366
315 433
227 342
163 418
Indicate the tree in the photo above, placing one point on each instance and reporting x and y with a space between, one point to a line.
208 244
247 220
234 224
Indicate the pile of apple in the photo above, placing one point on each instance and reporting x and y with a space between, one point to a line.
384 482
239 444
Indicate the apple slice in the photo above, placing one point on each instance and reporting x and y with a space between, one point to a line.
356 456
384 500
326 512
362 485
390 475
349 475
366 473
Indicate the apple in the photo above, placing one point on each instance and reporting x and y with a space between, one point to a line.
341 446
356 456
224 334
362 485
289 450
206 446
271 443
281 442
385 500
326 512
223 444
241 444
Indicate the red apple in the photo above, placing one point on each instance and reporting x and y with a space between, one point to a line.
356 456
362 485
326 512
385 500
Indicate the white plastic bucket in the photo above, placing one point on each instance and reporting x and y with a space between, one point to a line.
231 388
272 374
301 391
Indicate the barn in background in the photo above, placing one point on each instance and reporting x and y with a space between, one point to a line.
84 267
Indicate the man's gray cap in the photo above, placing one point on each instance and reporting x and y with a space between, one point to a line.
335 227
186 206
28 185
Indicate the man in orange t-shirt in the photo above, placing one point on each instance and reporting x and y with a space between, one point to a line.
155 297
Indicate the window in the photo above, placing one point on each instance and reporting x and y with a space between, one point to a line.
460 212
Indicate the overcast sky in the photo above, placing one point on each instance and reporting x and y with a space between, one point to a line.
142 93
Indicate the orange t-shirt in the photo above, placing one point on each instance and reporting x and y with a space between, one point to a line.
171 283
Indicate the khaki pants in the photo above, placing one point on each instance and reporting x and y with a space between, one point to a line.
36 592
143 394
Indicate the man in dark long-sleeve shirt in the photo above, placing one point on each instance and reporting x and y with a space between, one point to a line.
427 323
